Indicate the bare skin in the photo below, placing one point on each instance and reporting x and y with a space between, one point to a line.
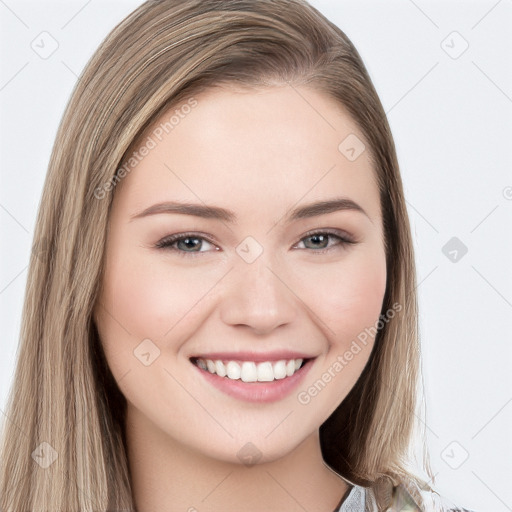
259 153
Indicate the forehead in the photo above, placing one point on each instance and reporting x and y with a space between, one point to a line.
252 146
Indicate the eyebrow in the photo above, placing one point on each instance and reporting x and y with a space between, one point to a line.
218 213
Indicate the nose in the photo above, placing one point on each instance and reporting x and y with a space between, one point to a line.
258 297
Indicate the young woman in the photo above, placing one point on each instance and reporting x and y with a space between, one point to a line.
221 311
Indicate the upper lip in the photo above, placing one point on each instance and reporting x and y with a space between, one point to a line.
254 356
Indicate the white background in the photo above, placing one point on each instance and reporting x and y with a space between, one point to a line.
451 117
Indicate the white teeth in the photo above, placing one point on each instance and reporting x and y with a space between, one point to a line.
220 368
250 371
233 370
265 372
280 370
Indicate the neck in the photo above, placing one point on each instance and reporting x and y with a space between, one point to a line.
167 475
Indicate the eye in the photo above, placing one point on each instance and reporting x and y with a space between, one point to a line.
184 243
320 240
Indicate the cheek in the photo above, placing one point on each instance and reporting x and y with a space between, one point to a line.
347 296
149 300
348 299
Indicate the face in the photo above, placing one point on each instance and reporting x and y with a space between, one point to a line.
258 282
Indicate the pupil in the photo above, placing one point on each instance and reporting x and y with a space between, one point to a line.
318 237
187 241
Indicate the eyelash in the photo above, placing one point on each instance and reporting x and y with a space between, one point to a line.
167 242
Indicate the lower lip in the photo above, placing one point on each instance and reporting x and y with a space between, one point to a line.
262 392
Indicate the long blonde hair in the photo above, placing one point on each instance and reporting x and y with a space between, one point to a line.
63 392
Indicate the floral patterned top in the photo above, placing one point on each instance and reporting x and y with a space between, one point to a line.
394 499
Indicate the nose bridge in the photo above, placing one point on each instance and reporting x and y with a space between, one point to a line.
256 294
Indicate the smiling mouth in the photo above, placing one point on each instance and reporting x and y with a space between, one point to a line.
250 371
